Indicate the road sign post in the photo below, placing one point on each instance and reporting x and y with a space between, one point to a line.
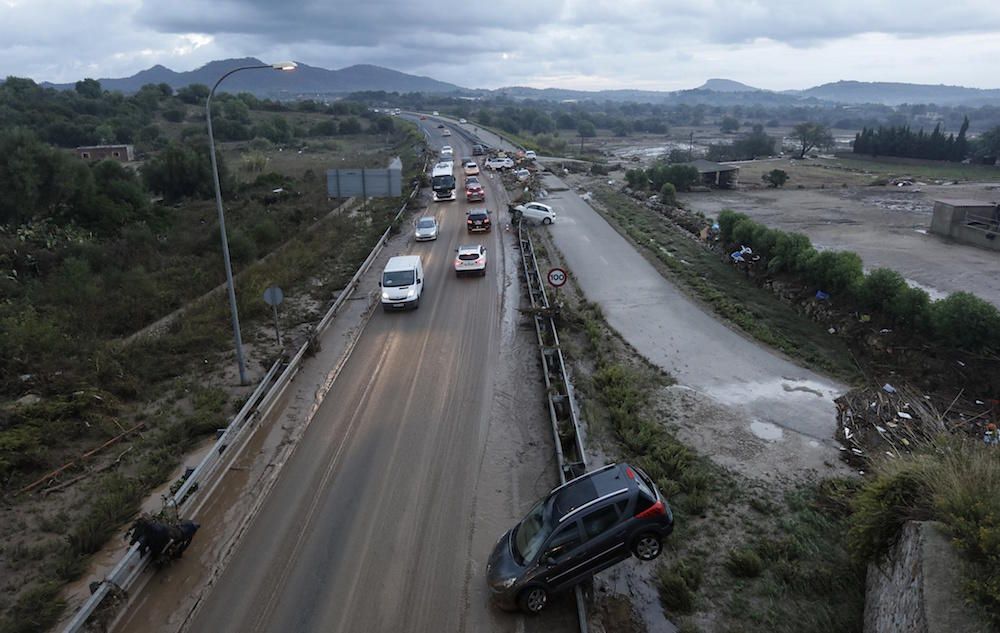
272 297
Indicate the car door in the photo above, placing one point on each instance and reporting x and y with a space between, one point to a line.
560 556
605 537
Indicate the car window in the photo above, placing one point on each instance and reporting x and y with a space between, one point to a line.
468 257
600 520
530 533
426 224
563 542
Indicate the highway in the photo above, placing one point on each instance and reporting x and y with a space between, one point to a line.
420 456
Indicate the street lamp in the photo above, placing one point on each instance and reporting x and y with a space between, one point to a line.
222 218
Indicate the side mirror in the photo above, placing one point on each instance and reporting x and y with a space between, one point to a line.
419 280
379 283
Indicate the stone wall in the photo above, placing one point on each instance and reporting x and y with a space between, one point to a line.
918 589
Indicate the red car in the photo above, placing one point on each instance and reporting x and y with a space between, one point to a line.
474 192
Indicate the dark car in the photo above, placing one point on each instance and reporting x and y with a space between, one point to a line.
478 220
478 150
580 528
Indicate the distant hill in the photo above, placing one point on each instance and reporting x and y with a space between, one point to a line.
311 80
896 93
303 80
726 85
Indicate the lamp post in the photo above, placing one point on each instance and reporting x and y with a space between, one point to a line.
222 218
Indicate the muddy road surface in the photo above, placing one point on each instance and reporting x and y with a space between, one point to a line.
430 444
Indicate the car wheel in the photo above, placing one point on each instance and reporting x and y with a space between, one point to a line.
547 221
533 599
647 546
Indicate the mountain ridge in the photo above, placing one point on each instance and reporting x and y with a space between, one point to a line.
313 80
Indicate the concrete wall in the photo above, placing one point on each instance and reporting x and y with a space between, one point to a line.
918 589
950 220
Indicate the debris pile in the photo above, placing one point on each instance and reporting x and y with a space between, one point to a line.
884 421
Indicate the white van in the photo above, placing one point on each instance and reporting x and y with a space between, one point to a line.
402 283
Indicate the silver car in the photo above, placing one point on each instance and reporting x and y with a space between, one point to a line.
427 229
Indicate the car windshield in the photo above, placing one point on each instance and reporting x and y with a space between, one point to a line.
478 215
397 278
530 534
425 223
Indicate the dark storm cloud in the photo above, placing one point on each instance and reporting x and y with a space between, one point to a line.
664 44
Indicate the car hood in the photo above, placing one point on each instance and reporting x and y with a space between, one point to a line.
502 565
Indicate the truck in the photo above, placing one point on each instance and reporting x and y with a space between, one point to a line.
443 181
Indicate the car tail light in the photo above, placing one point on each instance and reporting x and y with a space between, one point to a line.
657 509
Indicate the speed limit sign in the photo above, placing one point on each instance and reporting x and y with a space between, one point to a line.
557 277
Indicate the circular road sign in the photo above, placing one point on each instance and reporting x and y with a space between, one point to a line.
273 296
557 277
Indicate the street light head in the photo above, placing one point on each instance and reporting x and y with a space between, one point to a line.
284 66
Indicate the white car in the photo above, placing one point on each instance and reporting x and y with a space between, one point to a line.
446 132
435 113
530 154
471 260
471 168
522 174
497 162
537 211
462 121
447 152
427 229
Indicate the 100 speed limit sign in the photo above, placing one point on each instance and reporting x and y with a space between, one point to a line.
557 277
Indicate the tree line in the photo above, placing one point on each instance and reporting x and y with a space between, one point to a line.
961 320
902 141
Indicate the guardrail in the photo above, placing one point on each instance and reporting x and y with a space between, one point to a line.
124 574
563 415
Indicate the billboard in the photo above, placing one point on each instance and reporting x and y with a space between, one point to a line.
366 183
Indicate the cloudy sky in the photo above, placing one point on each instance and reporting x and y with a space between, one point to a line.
584 44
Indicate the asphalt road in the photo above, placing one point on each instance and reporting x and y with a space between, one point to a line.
419 457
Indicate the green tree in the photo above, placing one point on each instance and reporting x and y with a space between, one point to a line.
350 125
194 94
775 178
811 135
729 125
586 129
182 171
89 88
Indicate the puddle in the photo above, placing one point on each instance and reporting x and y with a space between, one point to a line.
766 430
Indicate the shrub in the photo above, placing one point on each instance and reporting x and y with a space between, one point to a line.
744 563
966 321
242 248
678 584
668 194
775 178
879 289
727 220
